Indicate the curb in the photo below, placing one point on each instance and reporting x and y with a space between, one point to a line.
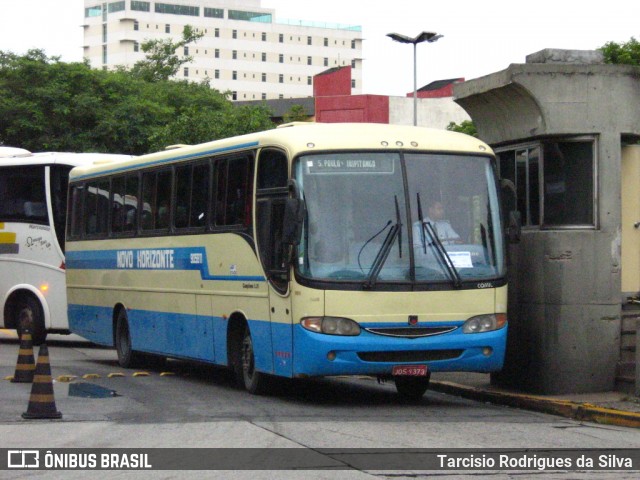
565 408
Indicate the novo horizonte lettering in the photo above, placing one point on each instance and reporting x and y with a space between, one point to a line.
162 259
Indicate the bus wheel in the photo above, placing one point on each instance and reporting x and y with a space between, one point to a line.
412 388
254 382
28 315
127 358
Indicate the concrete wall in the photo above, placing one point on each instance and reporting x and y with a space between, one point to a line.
565 284
432 112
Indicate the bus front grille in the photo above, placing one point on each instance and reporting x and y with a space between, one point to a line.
410 332
410 356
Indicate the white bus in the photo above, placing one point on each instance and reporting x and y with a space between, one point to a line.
307 250
33 199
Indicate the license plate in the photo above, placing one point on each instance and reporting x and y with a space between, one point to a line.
410 370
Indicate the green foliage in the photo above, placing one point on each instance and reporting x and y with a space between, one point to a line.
467 126
627 53
296 114
161 61
48 105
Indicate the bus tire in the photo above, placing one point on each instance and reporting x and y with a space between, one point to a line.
127 358
412 388
28 312
253 381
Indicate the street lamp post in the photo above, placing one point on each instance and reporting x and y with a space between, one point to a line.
422 37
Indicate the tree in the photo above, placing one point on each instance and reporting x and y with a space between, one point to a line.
296 114
467 126
50 105
162 62
627 53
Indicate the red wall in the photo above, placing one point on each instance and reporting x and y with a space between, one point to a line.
334 82
358 109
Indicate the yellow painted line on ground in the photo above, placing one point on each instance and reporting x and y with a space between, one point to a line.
142 374
116 374
8 333
90 375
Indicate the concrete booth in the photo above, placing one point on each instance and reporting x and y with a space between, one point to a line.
565 127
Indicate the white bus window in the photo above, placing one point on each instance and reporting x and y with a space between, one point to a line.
23 195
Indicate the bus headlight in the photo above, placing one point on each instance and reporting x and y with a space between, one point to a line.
331 325
485 323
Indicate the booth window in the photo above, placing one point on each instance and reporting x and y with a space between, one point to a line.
551 182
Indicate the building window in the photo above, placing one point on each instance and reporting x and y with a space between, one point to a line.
326 42
167 28
234 34
353 64
216 53
281 58
551 183
309 40
353 83
353 44
104 54
264 36
136 47
281 78
264 57
116 7
234 54
186 71
177 9
326 62
264 77
186 51
234 75
309 80
264 96
216 74
104 33
234 95
309 61
136 25
216 32
281 38
261 17
213 12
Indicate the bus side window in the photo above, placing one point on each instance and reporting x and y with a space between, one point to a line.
233 193
131 203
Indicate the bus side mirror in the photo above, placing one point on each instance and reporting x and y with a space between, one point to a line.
292 223
514 229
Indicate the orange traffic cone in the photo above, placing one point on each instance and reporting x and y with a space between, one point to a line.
26 365
41 402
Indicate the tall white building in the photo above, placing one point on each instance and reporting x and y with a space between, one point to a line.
245 50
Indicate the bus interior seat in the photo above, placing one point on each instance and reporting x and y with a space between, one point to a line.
35 209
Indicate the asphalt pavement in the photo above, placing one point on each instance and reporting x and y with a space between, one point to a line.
610 408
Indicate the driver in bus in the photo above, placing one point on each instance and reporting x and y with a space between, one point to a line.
442 226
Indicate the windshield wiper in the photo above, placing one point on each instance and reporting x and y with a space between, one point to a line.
445 258
385 248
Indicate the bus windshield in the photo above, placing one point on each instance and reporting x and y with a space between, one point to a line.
375 218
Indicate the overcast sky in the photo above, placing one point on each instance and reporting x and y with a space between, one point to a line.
479 37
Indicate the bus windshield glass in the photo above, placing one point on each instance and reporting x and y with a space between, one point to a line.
376 218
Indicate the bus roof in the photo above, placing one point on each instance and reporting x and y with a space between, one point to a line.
60 158
309 138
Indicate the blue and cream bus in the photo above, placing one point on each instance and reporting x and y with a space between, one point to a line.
307 250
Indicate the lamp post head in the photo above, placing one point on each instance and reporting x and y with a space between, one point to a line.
421 37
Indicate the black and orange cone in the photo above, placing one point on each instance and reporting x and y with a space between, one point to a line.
26 365
41 402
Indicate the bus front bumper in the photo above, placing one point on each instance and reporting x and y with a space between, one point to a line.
319 354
